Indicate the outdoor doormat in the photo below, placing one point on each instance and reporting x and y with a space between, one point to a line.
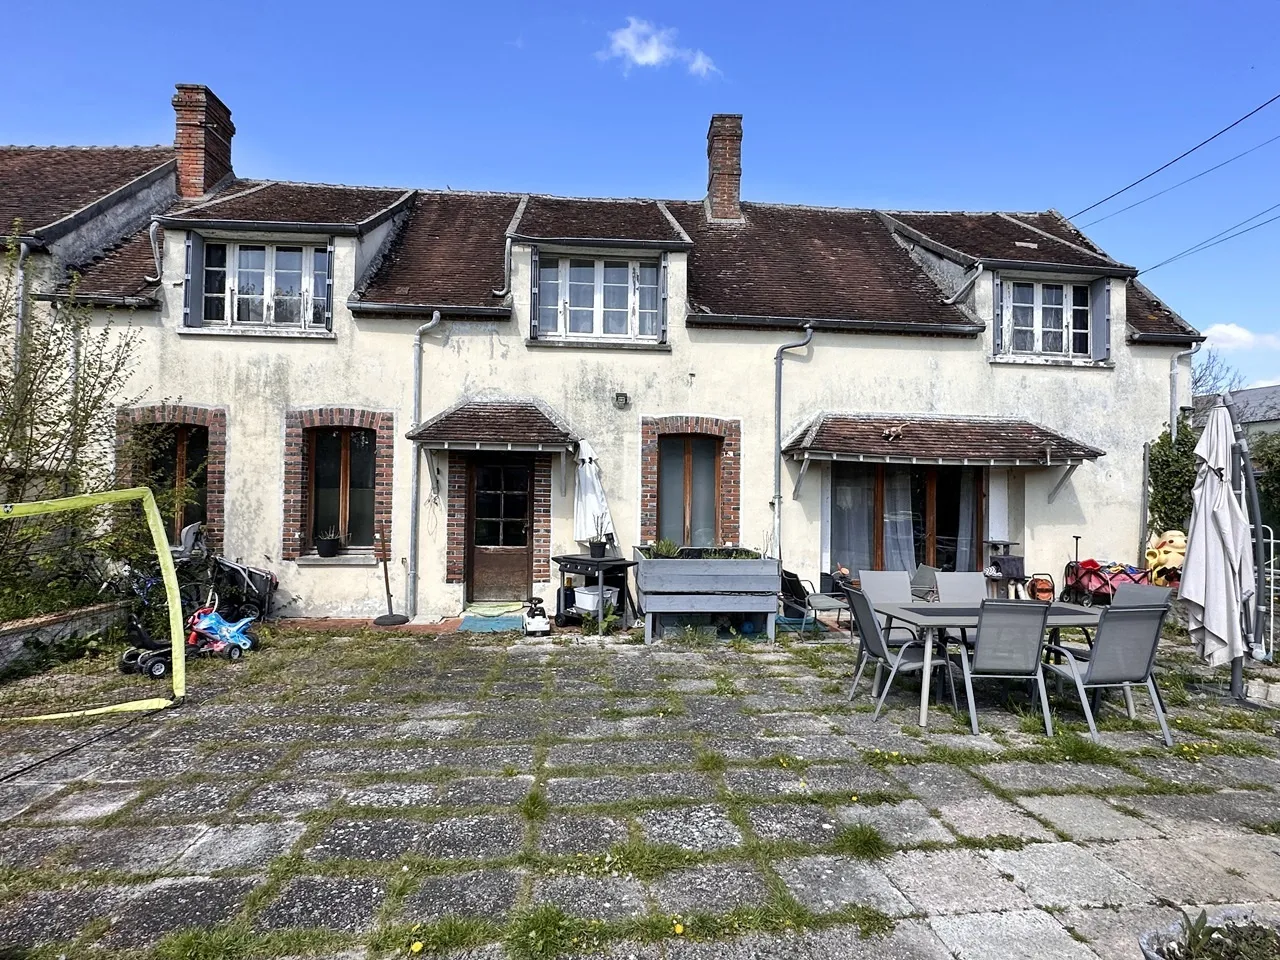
481 624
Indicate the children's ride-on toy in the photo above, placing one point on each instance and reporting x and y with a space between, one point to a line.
536 621
210 635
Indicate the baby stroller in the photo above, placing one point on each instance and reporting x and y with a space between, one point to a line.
244 592
1088 582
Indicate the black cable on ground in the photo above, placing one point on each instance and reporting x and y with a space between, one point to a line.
80 746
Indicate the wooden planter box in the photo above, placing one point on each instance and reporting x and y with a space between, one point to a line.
689 586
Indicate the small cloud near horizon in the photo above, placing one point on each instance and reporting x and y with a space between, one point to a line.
1230 337
641 44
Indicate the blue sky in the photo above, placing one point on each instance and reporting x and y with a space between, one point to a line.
1015 106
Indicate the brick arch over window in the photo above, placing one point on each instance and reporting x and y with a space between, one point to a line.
297 481
730 434
215 471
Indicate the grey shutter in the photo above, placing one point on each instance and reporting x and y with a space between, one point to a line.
328 286
193 282
1100 319
997 313
533 293
662 300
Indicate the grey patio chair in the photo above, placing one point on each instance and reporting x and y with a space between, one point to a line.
962 587
1008 645
1141 595
1123 654
924 582
904 659
798 594
887 586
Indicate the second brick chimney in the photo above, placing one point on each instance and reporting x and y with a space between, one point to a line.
202 139
724 167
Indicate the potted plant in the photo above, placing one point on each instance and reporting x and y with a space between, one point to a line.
328 543
1234 935
598 540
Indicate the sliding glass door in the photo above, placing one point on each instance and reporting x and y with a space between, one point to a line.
897 516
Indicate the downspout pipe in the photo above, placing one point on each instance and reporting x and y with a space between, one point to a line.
415 481
777 434
20 313
1173 388
506 272
967 285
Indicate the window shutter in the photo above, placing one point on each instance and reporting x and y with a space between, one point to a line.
1100 319
998 313
328 287
662 301
193 282
533 293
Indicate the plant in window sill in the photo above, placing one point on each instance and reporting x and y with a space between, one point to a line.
329 543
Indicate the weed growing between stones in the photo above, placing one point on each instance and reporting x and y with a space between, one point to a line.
863 841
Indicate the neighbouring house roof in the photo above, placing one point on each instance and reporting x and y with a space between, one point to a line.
1253 405
495 423
274 204
449 254
931 438
1032 238
784 265
42 185
1152 321
623 222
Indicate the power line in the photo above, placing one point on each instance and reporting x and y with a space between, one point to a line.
1176 159
1214 241
1161 193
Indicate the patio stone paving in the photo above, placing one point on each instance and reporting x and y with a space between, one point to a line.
329 793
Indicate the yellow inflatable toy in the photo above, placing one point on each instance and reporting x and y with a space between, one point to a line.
1164 558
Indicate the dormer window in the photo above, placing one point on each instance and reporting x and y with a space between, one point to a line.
580 298
1050 318
264 285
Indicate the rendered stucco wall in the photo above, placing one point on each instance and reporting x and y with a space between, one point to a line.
722 374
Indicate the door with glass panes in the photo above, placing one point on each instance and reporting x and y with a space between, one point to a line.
500 529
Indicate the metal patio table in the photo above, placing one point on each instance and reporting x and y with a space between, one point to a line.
937 617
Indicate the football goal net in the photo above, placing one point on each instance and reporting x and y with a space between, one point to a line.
91 613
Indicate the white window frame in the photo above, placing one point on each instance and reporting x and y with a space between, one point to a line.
310 296
632 334
1037 317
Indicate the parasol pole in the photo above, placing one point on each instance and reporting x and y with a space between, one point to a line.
1242 470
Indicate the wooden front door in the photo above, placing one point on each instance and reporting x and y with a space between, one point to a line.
500 529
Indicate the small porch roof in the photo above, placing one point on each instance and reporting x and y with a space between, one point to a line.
516 424
934 439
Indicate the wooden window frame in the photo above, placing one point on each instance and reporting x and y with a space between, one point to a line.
344 485
688 439
181 434
1069 311
311 296
633 334
930 516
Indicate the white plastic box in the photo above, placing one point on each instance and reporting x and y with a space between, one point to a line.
586 599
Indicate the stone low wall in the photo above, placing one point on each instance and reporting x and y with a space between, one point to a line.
20 637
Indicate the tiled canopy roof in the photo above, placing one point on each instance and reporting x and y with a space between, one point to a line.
999 236
274 202
562 218
495 422
449 252
810 263
910 438
41 185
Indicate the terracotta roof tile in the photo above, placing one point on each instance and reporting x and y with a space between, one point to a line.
275 202
934 439
495 420
449 252
550 218
120 271
810 263
1147 314
40 185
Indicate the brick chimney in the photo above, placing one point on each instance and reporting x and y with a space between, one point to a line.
202 139
724 166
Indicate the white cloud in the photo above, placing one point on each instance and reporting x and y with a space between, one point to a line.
1230 337
641 44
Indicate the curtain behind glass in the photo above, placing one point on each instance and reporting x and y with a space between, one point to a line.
966 538
853 501
702 509
899 521
671 489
